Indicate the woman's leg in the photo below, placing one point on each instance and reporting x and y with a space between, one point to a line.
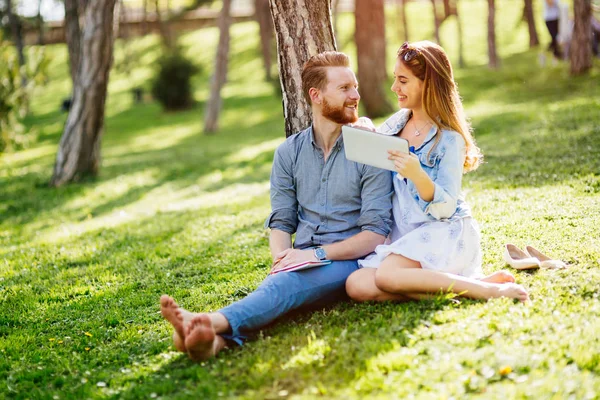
360 286
398 274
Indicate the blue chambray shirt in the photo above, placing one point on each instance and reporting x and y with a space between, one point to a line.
324 202
443 164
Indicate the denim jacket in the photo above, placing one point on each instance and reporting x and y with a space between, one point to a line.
442 163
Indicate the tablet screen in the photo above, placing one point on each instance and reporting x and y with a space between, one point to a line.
371 148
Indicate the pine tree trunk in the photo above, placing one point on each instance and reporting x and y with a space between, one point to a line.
369 35
581 43
79 150
265 23
436 22
459 32
529 17
16 31
303 29
492 54
73 36
144 17
213 108
403 25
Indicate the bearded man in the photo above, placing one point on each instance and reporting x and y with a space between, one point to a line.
339 210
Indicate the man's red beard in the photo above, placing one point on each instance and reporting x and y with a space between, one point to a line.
340 115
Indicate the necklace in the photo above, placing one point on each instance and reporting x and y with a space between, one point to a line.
418 131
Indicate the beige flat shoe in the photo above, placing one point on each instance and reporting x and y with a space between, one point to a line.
545 261
518 259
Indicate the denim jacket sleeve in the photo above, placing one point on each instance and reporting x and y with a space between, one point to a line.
376 196
450 161
284 203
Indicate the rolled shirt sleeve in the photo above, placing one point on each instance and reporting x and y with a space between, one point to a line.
376 194
284 203
448 181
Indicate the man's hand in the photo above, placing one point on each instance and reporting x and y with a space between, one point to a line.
292 256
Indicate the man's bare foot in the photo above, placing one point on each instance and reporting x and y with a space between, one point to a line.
201 341
178 317
510 290
499 277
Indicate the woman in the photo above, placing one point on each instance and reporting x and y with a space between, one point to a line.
435 243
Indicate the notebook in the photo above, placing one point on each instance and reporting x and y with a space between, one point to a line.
301 266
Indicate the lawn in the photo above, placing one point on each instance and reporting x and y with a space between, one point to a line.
175 211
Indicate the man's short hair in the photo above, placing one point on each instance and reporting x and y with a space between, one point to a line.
314 72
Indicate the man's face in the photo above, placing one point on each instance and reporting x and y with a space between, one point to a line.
340 96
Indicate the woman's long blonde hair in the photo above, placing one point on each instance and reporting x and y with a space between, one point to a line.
441 101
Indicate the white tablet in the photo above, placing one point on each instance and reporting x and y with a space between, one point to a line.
371 148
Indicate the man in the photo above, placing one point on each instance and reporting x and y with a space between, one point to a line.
340 210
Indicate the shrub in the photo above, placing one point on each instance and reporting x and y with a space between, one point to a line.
172 86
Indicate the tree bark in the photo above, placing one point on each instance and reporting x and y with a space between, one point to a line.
265 23
303 29
17 36
580 52
40 24
79 150
213 108
436 22
369 35
459 32
73 36
403 25
144 17
529 17
492 54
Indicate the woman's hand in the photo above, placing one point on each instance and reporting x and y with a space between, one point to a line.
292 256
407 165
364 123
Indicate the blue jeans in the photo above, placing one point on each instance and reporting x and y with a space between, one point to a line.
284 292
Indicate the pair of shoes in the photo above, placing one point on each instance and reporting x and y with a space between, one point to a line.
531 258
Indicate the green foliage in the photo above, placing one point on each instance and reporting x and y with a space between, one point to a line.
172 84
14 96
181 213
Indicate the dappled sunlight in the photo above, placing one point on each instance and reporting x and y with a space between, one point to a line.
27 155
160 199
153 139
249 153
314 352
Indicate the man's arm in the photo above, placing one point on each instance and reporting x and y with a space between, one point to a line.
279 241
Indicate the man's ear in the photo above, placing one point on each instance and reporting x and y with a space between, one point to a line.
315 95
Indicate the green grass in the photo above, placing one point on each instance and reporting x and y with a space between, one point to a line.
174 211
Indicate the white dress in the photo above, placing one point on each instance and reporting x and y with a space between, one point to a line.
446 245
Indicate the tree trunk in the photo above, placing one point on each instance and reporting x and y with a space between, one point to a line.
436 22
303 29
79 149
213 108
163 26
369 35
581 42
529 17
403 25
144 17
459 32
73 36
40 24
17 36
492 54
265 23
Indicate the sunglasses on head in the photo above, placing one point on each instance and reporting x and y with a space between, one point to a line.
409 54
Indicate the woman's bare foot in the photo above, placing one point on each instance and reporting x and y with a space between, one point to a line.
510 290
499 277
201 340
178 317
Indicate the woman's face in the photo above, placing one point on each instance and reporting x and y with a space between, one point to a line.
407 87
